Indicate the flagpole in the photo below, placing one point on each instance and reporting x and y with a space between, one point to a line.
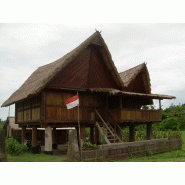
79 128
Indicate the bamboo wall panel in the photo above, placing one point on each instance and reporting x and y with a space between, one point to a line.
28 110
27 115
36 113
20 116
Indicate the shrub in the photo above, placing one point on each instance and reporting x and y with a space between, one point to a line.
88 145
13 147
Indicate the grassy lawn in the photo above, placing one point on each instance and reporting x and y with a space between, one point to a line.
28 157
173 156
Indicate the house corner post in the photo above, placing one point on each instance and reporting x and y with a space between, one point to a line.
48 140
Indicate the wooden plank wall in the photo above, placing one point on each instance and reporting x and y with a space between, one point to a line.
141 115
135 115
28 110
56 109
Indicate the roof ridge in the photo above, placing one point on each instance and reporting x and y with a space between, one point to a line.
132 67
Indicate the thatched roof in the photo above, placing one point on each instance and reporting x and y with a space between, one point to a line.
43 75
128 75
124 93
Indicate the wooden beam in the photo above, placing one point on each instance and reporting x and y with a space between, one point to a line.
82 133
92 134
97 136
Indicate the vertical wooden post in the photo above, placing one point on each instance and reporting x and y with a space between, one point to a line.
23 134
43 106
159 104
97 136
54 145
132 133
34 140
80 143
149 131
48 140
82 132
92 134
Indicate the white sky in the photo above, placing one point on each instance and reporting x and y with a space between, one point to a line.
25 47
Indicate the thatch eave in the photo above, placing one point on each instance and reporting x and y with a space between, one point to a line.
124 93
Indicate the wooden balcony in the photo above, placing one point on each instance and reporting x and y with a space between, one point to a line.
123 115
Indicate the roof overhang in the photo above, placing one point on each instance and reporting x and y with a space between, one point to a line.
124 93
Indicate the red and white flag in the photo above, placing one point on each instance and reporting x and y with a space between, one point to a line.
72 102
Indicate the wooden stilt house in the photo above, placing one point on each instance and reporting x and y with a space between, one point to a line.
107 98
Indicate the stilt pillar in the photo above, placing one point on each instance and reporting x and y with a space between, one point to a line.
82 133
23 134
149 131
54 145
48 140
92 134
34 140
97 136
131 133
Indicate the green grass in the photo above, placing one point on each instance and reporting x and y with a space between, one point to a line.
28 157
173 156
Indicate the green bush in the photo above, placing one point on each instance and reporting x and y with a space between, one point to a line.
13 147
88 145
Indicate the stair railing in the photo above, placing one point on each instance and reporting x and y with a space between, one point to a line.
105 124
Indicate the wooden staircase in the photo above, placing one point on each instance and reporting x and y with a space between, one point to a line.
107 131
